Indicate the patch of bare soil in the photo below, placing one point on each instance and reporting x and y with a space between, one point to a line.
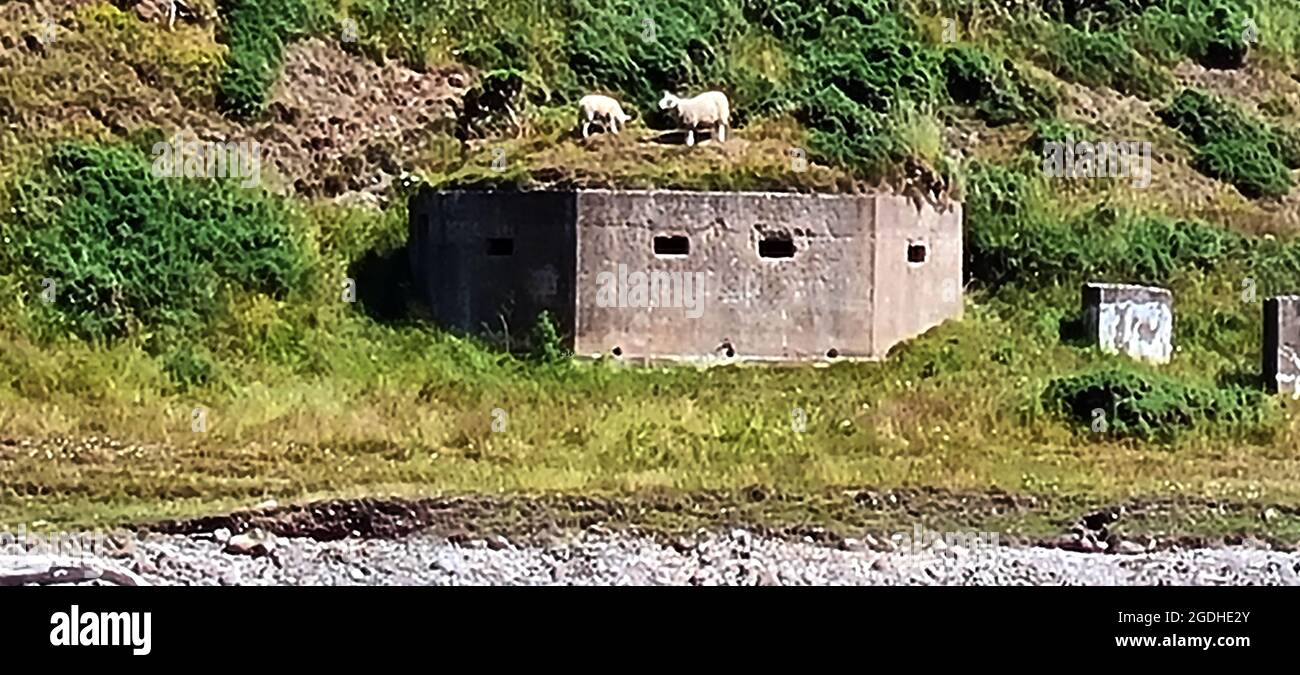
1176 186
337 123
831 518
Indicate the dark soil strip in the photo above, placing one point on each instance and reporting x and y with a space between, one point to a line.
827 518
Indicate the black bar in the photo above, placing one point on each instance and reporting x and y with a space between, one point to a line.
299 625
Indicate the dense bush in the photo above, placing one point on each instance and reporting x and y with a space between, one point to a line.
1154 406
643 48
1103 59
1252 169
1209 31
856 62
995 88
1232 146
1204 118
129 252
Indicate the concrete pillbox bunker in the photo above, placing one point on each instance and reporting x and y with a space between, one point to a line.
690 275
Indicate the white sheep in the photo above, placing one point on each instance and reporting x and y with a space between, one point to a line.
610 113
710 109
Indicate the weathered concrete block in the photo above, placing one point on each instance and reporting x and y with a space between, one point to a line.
1282 344
664 274
1128 319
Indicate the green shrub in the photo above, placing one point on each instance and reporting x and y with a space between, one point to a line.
995 88
856 62
1287 143
189 367
1009 235
1203 118
643 48
1154 406
1251 168
1208 31
547 345
127 251
1232 146
1225 46
1104 60
1153 248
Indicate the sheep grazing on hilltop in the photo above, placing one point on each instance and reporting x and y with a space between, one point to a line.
604 108
709 110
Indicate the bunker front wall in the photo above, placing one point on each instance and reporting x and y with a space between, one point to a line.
488 263
764 276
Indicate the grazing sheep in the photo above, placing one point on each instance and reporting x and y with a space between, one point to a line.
710 109
595 106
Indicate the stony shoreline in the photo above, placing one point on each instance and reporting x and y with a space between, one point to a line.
736 557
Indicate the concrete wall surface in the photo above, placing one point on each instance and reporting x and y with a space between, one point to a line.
918 269
1128 319
490 262
755 306
1282 344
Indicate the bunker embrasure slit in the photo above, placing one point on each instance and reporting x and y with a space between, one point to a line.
500 246
672 245
775 247
917 252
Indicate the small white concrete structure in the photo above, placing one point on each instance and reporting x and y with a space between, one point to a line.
1129 319
1282 344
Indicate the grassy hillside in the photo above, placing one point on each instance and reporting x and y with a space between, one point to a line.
172 295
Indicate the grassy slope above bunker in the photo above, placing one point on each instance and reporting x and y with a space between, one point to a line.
768 156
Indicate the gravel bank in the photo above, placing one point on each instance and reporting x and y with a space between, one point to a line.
735 558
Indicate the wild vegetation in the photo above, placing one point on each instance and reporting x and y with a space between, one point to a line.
1232 146
124 252
173 295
